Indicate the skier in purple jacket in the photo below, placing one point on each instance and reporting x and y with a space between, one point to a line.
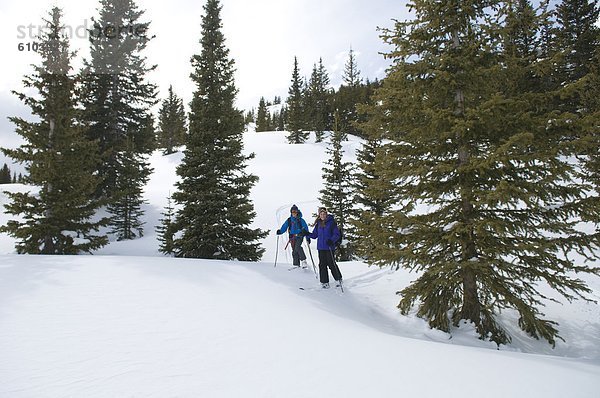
327 234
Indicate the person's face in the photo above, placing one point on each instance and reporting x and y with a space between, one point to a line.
294 213
323 215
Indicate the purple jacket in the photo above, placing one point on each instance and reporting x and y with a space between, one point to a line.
322 233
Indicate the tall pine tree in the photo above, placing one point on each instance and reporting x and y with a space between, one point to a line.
317 101
485 201
295 109
117 101
215 213
349 95
262 116
373 194
336 194
58 158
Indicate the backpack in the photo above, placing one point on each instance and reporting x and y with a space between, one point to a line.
289 221
338 242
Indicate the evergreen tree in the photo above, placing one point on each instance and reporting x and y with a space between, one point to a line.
214 189
279 119
578 42
578 36
295 109
165 230
337 189
587 146
351 76
117 103
126 209
317 101
485 201
249 118
373 194
349 95
171 123
5 177
58 157
262 116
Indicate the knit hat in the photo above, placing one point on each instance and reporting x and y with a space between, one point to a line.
294 207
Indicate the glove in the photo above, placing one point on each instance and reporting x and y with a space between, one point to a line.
278 232
308 241
329 242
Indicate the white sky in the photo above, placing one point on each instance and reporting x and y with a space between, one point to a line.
263 37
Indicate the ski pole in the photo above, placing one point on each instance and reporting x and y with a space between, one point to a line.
312 260
276 251
337 268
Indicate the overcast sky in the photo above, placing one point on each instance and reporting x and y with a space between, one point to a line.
263 37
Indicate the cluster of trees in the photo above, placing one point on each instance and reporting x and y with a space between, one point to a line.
480 163
89 148
265 119
8 177
311 104
479 167
90 145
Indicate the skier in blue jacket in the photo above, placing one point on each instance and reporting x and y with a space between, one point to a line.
297 229
327 234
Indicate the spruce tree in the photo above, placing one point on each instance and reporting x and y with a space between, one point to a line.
126 208
5 177
485 202
317 101
58 158
117 100
213 194
295 109
171 123
372 193
578 43
262 116
351 76
337 190
165 230
349 95
577 36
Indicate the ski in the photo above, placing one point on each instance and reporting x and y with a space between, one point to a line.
306 289
323 289
297 267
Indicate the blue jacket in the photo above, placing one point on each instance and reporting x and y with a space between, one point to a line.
324 232
294 224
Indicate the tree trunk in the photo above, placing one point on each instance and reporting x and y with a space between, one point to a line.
48 241
471 308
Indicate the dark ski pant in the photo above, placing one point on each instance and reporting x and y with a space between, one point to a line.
297 250
326 259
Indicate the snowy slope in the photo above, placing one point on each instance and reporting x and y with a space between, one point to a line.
128 322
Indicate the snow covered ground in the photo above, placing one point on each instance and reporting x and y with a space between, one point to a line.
128 322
